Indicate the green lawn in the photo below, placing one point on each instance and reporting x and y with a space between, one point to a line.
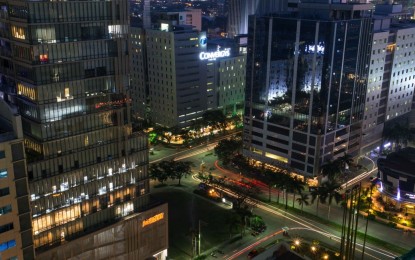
185 210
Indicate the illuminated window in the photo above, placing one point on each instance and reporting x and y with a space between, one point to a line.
66 96
67 92
6 209
26 91
43 58
7 245
18 32
3 173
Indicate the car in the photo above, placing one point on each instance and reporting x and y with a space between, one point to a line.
252 254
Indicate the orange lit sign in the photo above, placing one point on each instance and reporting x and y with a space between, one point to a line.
153 219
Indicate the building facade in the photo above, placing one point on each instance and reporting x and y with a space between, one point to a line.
306 83
141 236
176 78
239 10
391 74
16 239
66 66
397 178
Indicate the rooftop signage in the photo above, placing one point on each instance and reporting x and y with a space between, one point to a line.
214 55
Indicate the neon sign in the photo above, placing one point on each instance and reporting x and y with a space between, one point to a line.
214 55
153 219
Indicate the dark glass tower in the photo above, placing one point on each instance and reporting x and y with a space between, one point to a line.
306 85
65 65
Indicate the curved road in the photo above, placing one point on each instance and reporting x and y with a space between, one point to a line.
300 224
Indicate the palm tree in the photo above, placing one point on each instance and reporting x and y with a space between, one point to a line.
320 195
303 200
331 188
344 161
330 169
297 186
271 180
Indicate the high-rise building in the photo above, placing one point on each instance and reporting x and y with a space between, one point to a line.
176 78
16 239
391 73
65 64
306 85
239 10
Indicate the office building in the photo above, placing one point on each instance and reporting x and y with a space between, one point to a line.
176 78
391 74
65 65
239 10
306 83
16 240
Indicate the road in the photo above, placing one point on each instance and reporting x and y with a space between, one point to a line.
276 218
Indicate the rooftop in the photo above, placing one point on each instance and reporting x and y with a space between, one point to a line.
401 161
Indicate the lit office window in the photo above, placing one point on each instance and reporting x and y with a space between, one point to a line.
7 245
3 173
18 32
4 210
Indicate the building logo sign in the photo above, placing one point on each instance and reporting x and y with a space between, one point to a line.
203 41
153 219
214 55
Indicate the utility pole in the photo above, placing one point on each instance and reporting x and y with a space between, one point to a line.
200 239
201 222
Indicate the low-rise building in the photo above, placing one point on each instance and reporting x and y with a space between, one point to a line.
397 178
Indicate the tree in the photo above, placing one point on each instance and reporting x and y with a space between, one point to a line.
180 169
157 173
297 186
320 195
271 179
303 200
327 191
243 192
240 161
331 188
345 161
227 149
159 132
280 184
215 119
398 135
330 169
236 120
